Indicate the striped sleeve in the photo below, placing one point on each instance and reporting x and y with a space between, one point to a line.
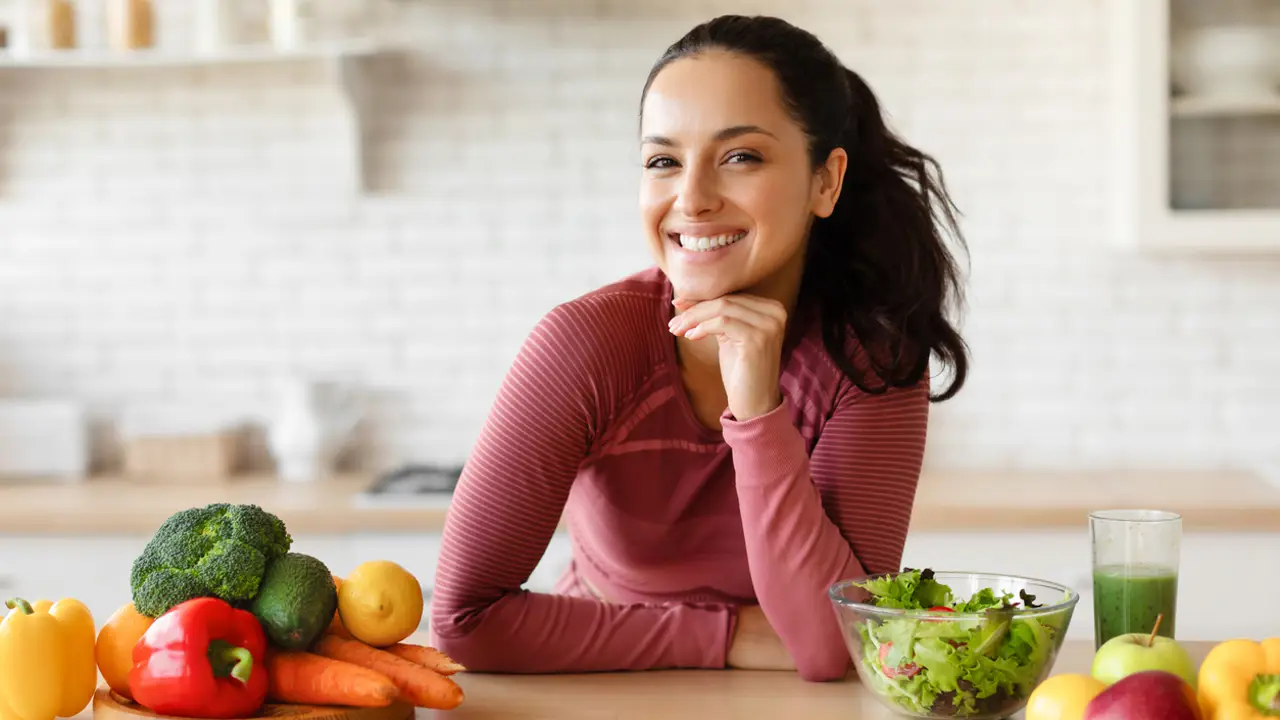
509 501
811 520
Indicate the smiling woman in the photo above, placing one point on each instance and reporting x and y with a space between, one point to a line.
734 430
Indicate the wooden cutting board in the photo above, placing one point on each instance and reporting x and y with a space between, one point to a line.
109 706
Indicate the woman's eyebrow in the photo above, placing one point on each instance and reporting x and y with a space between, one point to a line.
726 134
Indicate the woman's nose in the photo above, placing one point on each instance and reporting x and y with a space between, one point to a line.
698 193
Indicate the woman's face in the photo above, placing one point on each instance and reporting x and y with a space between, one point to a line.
728 192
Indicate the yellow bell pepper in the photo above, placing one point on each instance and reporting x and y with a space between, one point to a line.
47 668
1240 680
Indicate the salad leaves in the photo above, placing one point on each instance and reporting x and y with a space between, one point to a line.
963 666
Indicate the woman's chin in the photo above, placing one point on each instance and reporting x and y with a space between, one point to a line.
699 289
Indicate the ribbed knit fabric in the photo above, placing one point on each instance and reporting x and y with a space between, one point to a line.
673 524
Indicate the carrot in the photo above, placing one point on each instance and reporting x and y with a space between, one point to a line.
421 686
426 657
337 628
335 625
304 678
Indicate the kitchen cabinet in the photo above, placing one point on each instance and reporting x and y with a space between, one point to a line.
1197 126
1215 568
94 570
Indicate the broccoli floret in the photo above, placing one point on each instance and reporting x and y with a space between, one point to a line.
232 570
220 550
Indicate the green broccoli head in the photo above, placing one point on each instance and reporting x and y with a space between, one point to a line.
219 550
165 588
232 570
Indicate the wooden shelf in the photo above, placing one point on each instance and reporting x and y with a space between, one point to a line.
345 61
159 57
1190 106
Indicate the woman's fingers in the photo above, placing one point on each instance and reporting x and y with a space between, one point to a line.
764 306
726 307
724 326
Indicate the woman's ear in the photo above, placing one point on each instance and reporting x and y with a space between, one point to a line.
828 180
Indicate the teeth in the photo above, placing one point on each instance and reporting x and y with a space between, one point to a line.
689 242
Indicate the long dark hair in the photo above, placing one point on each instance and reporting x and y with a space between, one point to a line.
878 265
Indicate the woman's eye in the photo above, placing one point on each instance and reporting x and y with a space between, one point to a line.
743 157
660 163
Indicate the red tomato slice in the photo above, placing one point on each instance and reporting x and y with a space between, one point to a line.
938 608
904 670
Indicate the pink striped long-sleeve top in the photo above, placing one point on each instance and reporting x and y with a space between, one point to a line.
673 524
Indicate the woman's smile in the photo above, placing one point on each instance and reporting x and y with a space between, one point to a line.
704 243
701 244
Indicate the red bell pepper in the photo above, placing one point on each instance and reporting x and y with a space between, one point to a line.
201 659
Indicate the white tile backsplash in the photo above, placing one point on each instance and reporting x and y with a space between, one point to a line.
171 231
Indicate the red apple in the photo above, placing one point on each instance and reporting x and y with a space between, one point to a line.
1146 695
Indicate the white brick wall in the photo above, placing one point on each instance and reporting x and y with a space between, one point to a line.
167 232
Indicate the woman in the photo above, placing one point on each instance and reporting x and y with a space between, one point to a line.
731 432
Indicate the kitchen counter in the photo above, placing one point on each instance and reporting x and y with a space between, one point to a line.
703 694
734 694
946 501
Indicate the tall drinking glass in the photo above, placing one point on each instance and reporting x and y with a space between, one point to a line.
1136 554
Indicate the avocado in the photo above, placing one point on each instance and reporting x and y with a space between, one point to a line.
296 601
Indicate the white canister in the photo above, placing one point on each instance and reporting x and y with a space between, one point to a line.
217 25
293 23
22 33
312 425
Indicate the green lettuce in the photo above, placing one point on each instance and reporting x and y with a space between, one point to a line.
967 663
914 590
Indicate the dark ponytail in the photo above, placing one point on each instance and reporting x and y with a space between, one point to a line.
878 267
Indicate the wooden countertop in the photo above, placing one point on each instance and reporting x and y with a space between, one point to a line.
706 694
946 501
678 694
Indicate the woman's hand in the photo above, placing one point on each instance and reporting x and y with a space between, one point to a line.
755 645
750 330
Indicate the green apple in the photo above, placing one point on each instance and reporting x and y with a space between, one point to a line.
1131 653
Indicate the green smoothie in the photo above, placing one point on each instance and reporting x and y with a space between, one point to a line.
1128 598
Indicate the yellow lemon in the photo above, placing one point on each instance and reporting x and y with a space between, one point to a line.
380 603
1063 697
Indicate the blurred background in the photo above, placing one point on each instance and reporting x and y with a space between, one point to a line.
283 251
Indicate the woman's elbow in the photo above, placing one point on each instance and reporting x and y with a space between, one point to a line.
461 649
824 664
455 631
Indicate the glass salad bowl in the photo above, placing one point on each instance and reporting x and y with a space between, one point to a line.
952 644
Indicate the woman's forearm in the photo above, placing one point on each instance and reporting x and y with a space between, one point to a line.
524 632
810 520
794 551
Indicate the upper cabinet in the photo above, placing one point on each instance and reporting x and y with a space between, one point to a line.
1198 144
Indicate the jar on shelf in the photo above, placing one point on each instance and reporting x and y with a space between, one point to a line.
130 24
43 25
60 18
